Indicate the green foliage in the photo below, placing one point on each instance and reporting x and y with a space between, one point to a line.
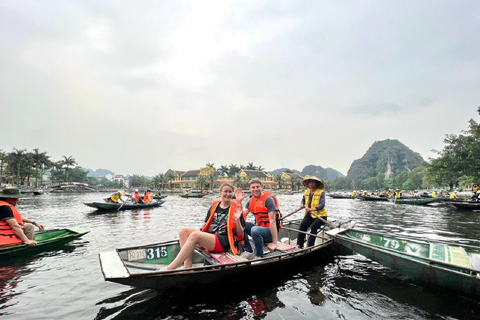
459 157
139 181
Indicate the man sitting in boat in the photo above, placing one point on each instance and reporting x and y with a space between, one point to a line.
398 194
453 195
267 221
147 198
15 229
135 197
476 196
116 197
222 230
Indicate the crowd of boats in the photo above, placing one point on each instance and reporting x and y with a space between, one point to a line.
450 265
465 201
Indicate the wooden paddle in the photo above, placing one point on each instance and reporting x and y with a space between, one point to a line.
290 213
330 224
121 206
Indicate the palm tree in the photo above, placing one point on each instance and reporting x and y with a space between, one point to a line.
212 176
279 180
170 176
16 158
233 169
68 162
40 159
210 165
3 157
223 171
201 180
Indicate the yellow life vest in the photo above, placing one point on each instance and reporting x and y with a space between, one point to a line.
315 202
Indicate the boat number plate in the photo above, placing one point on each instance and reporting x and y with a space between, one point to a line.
147 254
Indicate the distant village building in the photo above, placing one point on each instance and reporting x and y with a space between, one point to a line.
290 178
266 178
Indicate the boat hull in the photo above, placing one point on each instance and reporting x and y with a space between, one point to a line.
45 240
208 273
466 205
105 206
416 266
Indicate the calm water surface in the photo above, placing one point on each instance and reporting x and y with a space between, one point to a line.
68 283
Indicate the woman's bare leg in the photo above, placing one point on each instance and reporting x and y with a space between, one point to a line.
202 239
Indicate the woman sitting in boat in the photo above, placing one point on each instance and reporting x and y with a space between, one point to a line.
314 203
116 197
147 198
222 230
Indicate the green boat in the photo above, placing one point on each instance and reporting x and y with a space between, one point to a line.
414 201
108 206
453 266
45 240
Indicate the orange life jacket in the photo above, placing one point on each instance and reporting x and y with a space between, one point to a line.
135 197
7 235
148 197
258 208
233 238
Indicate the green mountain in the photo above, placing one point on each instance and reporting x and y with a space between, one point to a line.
98 173
387 158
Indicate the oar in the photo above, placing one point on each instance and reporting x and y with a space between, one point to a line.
330 224
121 206
290 213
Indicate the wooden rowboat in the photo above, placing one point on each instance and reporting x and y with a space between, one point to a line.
193 195
45 240
340 196
108 206
418 202
374 198
466 205
453 266
141 266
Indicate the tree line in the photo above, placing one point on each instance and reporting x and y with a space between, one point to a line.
457 165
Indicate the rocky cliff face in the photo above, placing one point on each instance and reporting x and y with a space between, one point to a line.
388 158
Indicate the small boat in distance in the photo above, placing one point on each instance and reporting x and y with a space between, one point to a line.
48 239
193 195
109 206
453 266
340 196
415 201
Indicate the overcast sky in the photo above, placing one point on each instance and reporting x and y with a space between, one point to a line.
146 86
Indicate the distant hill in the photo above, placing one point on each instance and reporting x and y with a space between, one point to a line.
312 170
388 158
98 173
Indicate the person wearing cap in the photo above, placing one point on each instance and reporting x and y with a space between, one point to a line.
264 207
135 196
313 201
116 197
15 229
147 198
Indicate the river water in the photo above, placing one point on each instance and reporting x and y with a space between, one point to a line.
68 284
